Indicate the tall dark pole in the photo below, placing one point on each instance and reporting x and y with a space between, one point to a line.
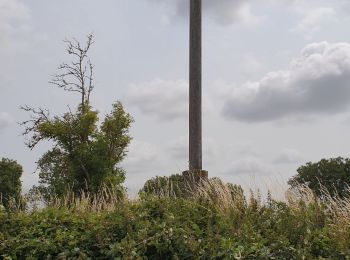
195 80
195 115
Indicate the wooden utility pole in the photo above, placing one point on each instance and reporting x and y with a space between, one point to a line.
195 100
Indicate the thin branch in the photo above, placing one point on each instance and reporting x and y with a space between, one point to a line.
38 116
77 76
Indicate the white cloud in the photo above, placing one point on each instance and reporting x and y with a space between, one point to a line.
250 65
224 12
316 83
314 19
5 120
166 100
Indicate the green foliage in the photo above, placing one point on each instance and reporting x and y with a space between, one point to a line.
10 183
330 174
168 228
174 186
178 186
86 152
85 155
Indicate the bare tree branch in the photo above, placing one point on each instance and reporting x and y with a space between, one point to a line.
38 116
77 76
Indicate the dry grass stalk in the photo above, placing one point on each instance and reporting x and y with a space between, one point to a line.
105 200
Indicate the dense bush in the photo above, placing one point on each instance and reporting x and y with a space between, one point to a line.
168 228
330 175
10 182
180 186
173 186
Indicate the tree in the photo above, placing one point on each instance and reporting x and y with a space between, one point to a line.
330 174
10 183
86 153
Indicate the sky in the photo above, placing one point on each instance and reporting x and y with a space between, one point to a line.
276 82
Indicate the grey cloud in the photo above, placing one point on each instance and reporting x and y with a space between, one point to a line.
178 149
224 12
315 18
144 161
317 83
14 17
248 166
247 149
288 156
142 157
166 100
5 120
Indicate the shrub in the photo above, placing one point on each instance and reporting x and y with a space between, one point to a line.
10 183
159 227
330 175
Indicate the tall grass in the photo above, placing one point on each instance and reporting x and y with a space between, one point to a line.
226 197
211 218
106 199
214 192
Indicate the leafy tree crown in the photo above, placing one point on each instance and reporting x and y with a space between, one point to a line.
86 152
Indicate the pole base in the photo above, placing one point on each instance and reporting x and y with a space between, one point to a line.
195 177
195 174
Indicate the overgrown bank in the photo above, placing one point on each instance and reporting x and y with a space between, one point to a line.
209 226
